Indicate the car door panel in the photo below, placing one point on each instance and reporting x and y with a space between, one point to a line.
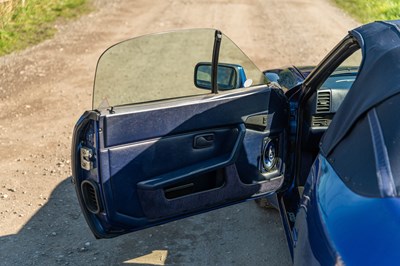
157 120
189 148
161 163
156 205
191 161
149 167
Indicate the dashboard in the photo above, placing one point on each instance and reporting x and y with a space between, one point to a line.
325 103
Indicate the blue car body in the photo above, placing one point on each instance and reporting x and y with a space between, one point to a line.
336 181
337 222
352 228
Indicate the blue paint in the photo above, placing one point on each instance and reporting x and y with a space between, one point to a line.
364 231
313 245
335 224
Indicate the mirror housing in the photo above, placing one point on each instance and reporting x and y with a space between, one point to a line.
230 76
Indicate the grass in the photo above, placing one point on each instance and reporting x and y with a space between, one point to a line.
371 10
27 22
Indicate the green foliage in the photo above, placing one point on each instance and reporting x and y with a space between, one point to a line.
371 10
22 25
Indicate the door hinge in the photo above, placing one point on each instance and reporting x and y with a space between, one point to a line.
86 158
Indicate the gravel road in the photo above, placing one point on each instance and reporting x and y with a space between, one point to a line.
44 90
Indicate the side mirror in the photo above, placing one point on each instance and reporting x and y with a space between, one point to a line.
229 76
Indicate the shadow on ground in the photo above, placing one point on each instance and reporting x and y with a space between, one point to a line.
57 234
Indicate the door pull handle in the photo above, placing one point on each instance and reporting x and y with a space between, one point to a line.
203 141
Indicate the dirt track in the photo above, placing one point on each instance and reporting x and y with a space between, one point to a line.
43 91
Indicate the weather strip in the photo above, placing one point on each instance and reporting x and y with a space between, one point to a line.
383 170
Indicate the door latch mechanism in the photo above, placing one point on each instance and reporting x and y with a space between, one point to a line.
86 159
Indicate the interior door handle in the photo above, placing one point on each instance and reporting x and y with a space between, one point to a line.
203 141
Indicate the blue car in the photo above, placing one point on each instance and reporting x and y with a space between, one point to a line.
183 123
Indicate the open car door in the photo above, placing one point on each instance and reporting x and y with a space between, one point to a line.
182 122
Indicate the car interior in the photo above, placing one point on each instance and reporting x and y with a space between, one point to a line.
321 105
323 92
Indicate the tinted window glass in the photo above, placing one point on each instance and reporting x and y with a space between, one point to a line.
152 67
345 74
230 53
162 66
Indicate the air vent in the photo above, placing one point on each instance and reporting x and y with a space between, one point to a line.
323 102
90 197
321 121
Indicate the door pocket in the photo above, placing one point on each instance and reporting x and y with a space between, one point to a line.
199 183
182 198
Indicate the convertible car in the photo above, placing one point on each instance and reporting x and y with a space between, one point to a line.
183 122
